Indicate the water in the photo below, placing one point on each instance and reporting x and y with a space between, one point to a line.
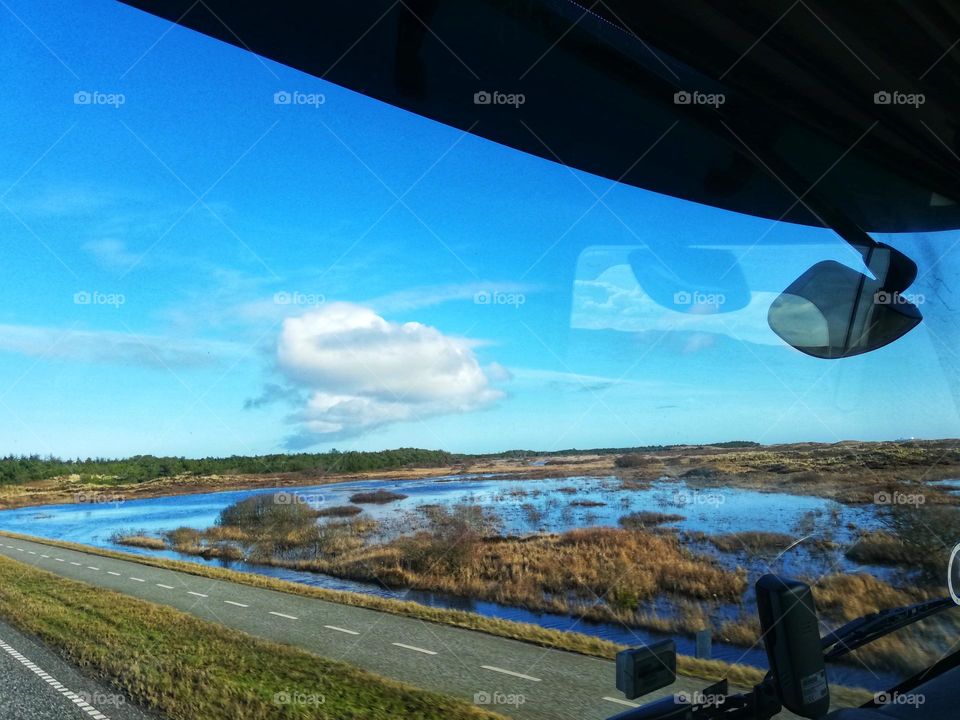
554 505
953 484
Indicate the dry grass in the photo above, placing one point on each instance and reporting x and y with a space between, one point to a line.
598 573
846 597
143 541
751 541
842 598
745 630
646 519
880 548
603 574
846 471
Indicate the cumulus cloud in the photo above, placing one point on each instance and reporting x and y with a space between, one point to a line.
361 372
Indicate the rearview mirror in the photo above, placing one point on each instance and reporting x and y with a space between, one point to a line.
832 311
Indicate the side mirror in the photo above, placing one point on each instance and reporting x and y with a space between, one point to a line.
832 311
791 634
647 668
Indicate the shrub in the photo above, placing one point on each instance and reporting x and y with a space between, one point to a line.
278 513
646 519
377 497
340 511
632 460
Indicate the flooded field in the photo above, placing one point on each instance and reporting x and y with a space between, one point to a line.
523 507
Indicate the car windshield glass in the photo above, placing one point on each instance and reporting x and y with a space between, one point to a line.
453 423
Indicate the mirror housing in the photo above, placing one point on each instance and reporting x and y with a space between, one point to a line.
791 634
832 311
647 668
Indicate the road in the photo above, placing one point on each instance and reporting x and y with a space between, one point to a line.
510 677
36 684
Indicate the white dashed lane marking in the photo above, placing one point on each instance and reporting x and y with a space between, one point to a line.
74 563
510 672
340 629
621 702
54 683
414 648
336 628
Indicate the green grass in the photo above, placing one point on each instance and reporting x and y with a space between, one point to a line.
187 668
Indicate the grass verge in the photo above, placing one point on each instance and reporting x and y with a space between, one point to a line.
188 668
713 670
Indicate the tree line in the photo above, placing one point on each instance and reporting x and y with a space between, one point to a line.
139 468
16 469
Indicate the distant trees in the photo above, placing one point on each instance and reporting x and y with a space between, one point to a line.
18 469
139 468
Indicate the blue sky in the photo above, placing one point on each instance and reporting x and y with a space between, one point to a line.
192 269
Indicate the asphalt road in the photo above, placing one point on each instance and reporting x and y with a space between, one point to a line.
36 684
510 677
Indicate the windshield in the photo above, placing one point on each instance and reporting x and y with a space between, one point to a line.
313 407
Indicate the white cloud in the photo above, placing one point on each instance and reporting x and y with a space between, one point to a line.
426 296
362 372
615 301
112 254
112 347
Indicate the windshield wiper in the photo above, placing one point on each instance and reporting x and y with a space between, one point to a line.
868 628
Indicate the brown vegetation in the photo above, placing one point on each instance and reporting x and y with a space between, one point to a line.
377 497
841 598
752 541
601 573
852 472
880 548
340 511
646 518
139 540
